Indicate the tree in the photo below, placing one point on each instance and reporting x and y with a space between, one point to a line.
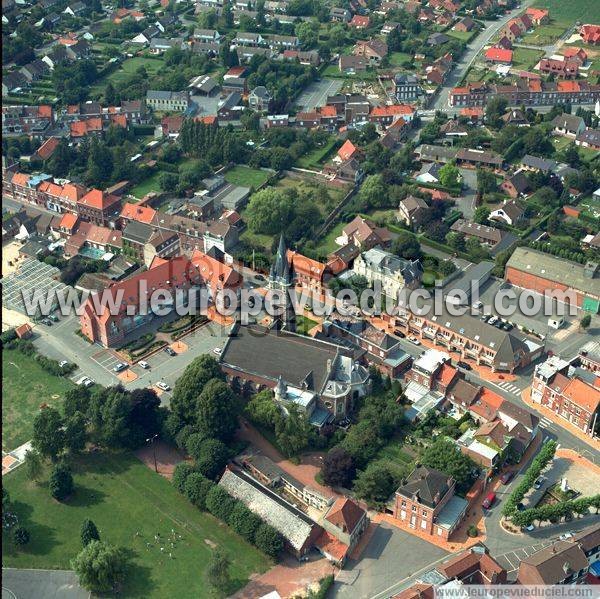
269 211
450 175
486 181
407 246
76 400
75 433
494 110
456 241
217 571
168 181
60 482
89 532
263 410
585 321
292 432
180 474
268 540
33 464
481 215
20 536
443 455
196 488
190 384
338 468
99 566
217 413
211 457
48 435
375 484
243 521
219 502
372 193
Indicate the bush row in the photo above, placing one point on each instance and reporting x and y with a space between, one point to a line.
207 495
10 341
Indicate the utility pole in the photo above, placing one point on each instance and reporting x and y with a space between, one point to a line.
152 440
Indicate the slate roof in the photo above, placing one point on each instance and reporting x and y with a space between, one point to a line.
428 484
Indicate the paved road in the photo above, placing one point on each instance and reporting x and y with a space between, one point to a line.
466 60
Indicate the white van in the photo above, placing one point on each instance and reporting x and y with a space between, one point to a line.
556 322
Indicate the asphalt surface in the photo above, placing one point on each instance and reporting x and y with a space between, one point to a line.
35 584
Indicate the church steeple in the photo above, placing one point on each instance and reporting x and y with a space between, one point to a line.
281 278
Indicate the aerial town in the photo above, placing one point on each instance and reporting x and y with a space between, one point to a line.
300 298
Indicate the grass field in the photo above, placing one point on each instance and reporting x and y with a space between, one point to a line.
131 65
146 186
397 59
25 386
464 36
545 34
569 11
316 157
124 497
246 176
327 244
303 324
526 58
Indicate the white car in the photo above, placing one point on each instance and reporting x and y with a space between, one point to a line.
218 351
143 365
530 528
84 380
62 363
565 536
163 386
414 341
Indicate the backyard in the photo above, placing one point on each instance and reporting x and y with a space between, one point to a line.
130 504
246 176
545 34
315 158
526 58
26 385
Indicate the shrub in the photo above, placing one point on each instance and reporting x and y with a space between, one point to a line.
180 474
61 482
21 536
219 503
472 531
196 488
268 540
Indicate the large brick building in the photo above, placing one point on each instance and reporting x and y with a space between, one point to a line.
426 501
572 393
544 273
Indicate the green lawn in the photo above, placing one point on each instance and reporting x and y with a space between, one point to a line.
327 244
25 386
526 58
397 59
569 11
544 34
246 176
303 324
316 157
146 186
464 36
124 497
131 65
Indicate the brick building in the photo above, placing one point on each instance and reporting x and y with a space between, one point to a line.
99 207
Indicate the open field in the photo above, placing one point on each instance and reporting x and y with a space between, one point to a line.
130 504
569 11
146 186
397 59
545 34
315 158
25 386
464 36
246 176
131 65
526 58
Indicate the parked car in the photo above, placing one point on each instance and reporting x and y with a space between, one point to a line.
170 351
565 536
488 502
508 326
530 528
259 277
163 386
464 365
85 381
399 333
414 340
478 305
486 317
53 317
119 367
539 482
143 364
507 477
62 363
493 320
47 322
218 351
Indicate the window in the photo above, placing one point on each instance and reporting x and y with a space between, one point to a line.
423 524
424 513
414 508
403 504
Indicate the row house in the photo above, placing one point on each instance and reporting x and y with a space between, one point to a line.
571 393
23 187
61 197
99 207
527 92
561 68
31 120
388 115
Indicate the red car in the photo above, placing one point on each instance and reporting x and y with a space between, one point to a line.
488 502
507 477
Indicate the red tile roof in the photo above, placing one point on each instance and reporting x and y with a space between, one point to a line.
47 148
347 150
359 21
329 545
99 199
499 55
394 109
20 179
345 514
143 214
583 395
68 221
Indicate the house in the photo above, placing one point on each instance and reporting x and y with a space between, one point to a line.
308 120
563 562
364 234
486 235
168 101
568 125
76 9
437 39
517 185
359 22
412 210
570 392
538 16
158 45
230 108
204 85
479 158
234 85
574 53
474 566
454 128
146 36
590 34
429 173
498 55
352 64
590 138
211 36
347 150
309 58
541 272
13 82
98 207
45 151
564 68
340 15
390 113
392 272
510 213
515 117
465 25
431 153
35 70
80 50
260 99
406 87
374 49
346 521
31 120
390 26
171 125
426 502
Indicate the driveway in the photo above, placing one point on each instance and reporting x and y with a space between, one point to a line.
391 557
466 203
33 584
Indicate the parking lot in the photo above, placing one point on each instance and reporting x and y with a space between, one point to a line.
511 560
316 93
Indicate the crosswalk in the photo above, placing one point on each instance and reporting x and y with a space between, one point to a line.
546 423
510 388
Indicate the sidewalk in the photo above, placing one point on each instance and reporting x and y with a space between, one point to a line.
561 422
